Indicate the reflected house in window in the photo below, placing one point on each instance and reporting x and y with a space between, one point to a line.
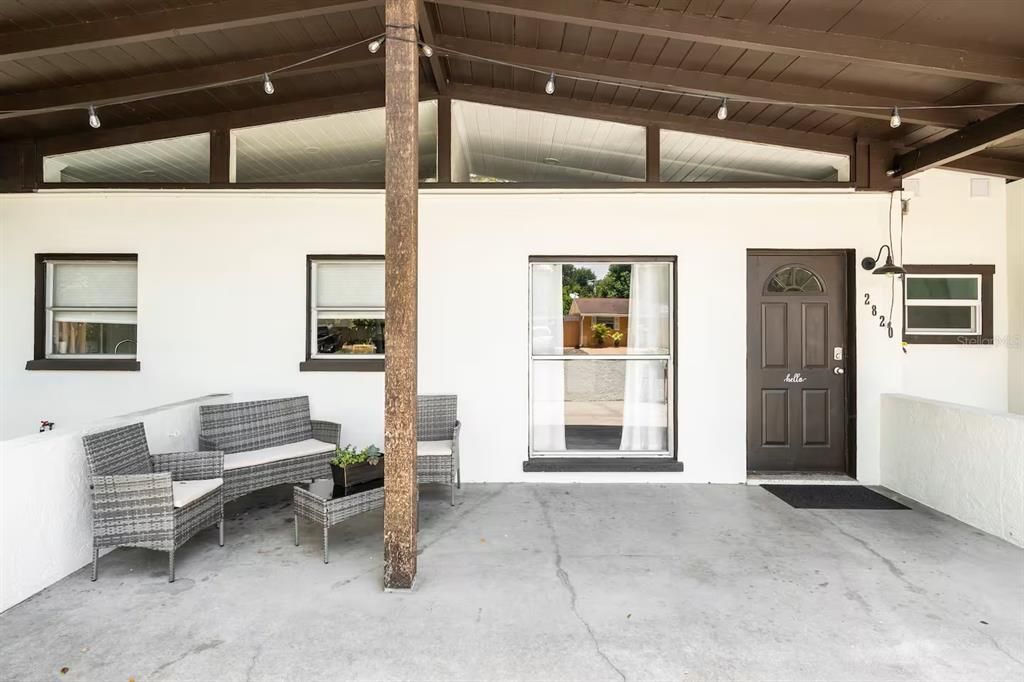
597 323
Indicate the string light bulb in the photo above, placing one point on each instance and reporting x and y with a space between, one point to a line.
374 46
549 87
428 51
895 121
723 110
268 85
94 118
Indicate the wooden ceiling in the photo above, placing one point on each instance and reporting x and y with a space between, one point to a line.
823 55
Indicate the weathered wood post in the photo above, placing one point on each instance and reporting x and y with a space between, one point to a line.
400 244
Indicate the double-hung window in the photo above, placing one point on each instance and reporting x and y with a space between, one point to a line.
948 304
346 313
88 317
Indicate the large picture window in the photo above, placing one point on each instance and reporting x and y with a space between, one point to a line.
88 313
346 313
948 304
601 357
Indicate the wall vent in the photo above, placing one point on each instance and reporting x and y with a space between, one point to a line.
979 187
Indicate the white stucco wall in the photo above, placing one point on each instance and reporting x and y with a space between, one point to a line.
963 461
222 294
1015 289
45 510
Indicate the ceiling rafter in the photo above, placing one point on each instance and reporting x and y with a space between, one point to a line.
188 20
880 52
429 34
973 138
644 117
152 85
712 84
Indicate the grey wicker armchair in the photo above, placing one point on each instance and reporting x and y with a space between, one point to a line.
157 501
437 441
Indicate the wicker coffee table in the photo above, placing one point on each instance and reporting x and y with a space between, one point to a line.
326 504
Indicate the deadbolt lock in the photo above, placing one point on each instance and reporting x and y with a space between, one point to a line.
837 353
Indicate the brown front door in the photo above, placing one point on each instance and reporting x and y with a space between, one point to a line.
796 361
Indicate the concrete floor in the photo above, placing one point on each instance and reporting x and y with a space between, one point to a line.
565 582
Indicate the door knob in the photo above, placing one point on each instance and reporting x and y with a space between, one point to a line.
839 370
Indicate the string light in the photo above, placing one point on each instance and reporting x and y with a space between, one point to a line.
374 45
428 51
723 110
94 118
895 121
268 85
549 87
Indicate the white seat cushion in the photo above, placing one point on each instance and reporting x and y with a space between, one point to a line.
190 491
433 447
248 458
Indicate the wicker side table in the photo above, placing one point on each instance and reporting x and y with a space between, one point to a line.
323 503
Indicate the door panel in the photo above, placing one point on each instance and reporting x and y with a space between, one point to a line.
796 389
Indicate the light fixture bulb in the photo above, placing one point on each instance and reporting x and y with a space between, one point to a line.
549 87
94 118
895 121
374 46
268 85
428 51
723 110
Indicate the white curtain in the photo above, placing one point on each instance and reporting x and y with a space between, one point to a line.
548 376
645 412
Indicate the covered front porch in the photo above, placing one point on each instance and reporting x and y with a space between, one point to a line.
524 581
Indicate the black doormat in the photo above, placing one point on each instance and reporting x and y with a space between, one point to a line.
832 497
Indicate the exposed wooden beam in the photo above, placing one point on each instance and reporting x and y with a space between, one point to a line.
705 83
165 83
653 152
965 142
879 52
271 113
989 165
400 254
622 114
437 67
444 140
215 16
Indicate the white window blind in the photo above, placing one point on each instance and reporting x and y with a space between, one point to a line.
350 284
95 285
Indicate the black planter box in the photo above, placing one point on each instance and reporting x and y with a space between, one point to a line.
354 474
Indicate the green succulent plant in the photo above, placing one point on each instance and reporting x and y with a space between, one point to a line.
350 455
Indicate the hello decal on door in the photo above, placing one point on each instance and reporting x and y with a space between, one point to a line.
795 378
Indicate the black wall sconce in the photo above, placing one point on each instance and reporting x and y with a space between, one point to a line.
890 268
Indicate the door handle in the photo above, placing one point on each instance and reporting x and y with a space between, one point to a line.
839 370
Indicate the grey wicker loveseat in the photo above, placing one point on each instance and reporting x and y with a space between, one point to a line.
267 442
157 501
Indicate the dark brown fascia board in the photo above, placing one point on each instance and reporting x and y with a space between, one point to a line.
749 132
271 113
162 84
217 16
838 47
962 143
703 83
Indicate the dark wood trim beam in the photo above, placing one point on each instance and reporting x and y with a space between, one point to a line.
989 165
704 83
220 156
871 162
653 151
429 35
173 82
271 113
216 16
971 139
644 117
878 52
444 140
20 167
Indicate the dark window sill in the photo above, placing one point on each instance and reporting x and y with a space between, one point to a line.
84 365
945 340
343 365
601 464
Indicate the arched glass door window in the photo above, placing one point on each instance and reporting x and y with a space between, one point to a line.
794 279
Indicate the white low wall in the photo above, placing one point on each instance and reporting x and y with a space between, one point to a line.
963 461
45 513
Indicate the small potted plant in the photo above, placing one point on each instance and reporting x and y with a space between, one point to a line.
351 466
601 331
616 338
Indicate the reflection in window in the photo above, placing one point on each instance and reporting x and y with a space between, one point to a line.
794 279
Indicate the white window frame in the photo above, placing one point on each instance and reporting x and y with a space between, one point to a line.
669 358
974 303
51 309
364 312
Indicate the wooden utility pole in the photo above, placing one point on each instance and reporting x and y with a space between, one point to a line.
400 244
